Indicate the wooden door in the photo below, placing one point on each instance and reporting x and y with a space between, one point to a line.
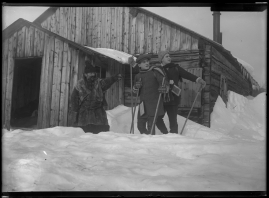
189 90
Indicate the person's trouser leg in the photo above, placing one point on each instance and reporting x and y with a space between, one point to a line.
150 124
160 123
141 124
92 128
172 115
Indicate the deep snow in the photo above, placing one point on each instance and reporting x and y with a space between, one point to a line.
229 156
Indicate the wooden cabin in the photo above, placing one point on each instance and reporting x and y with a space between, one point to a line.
137 31
40 69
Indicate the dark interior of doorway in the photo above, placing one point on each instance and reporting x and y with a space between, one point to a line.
25 93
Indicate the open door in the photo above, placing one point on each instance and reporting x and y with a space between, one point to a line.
25 94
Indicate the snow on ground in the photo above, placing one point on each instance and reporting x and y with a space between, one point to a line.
229 156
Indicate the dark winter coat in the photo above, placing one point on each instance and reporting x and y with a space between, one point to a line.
176 73
149 94
91 110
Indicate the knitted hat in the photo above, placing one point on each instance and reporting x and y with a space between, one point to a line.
161 54
141 57
89 68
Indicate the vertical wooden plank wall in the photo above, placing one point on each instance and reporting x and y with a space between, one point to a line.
42 82
10 72
117 28
4 78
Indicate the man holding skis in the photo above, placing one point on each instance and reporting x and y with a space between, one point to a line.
149 82
174 74
88 100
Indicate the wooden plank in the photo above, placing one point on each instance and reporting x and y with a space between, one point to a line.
121 85
120 30
31 41
36 39
73 24
185 41
41 44
74 68
84 26
87 26
56 22
54 84
157 31
4 77
19 46
194 43
94 27
165 37
117 30
113 28
99 27
53 23
69 17
63 86
67 85
149 34
140 44
61 20
133 34
27 41
126 30
22 53
81 64
10 72
48 82
78 25
178 36
90 28
42 84
103 27
48 23
56 88
174 39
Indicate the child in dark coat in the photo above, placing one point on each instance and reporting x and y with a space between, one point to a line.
149 84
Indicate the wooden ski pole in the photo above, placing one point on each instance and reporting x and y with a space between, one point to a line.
133 113
157 108
191 109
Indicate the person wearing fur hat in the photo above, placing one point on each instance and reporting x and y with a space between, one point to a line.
88 100
148 83
175 73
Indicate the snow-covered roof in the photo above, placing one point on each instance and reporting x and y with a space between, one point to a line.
119 56
246 65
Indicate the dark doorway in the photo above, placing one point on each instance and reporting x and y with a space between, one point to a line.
25 93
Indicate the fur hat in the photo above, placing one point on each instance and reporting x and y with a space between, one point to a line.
142 57
89 68
161 54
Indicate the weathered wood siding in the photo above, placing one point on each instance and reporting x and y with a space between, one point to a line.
116 28
190 90
62 66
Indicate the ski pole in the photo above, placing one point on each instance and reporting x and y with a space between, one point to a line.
157 108
190 109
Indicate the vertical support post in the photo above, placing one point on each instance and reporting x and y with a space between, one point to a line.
131 77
